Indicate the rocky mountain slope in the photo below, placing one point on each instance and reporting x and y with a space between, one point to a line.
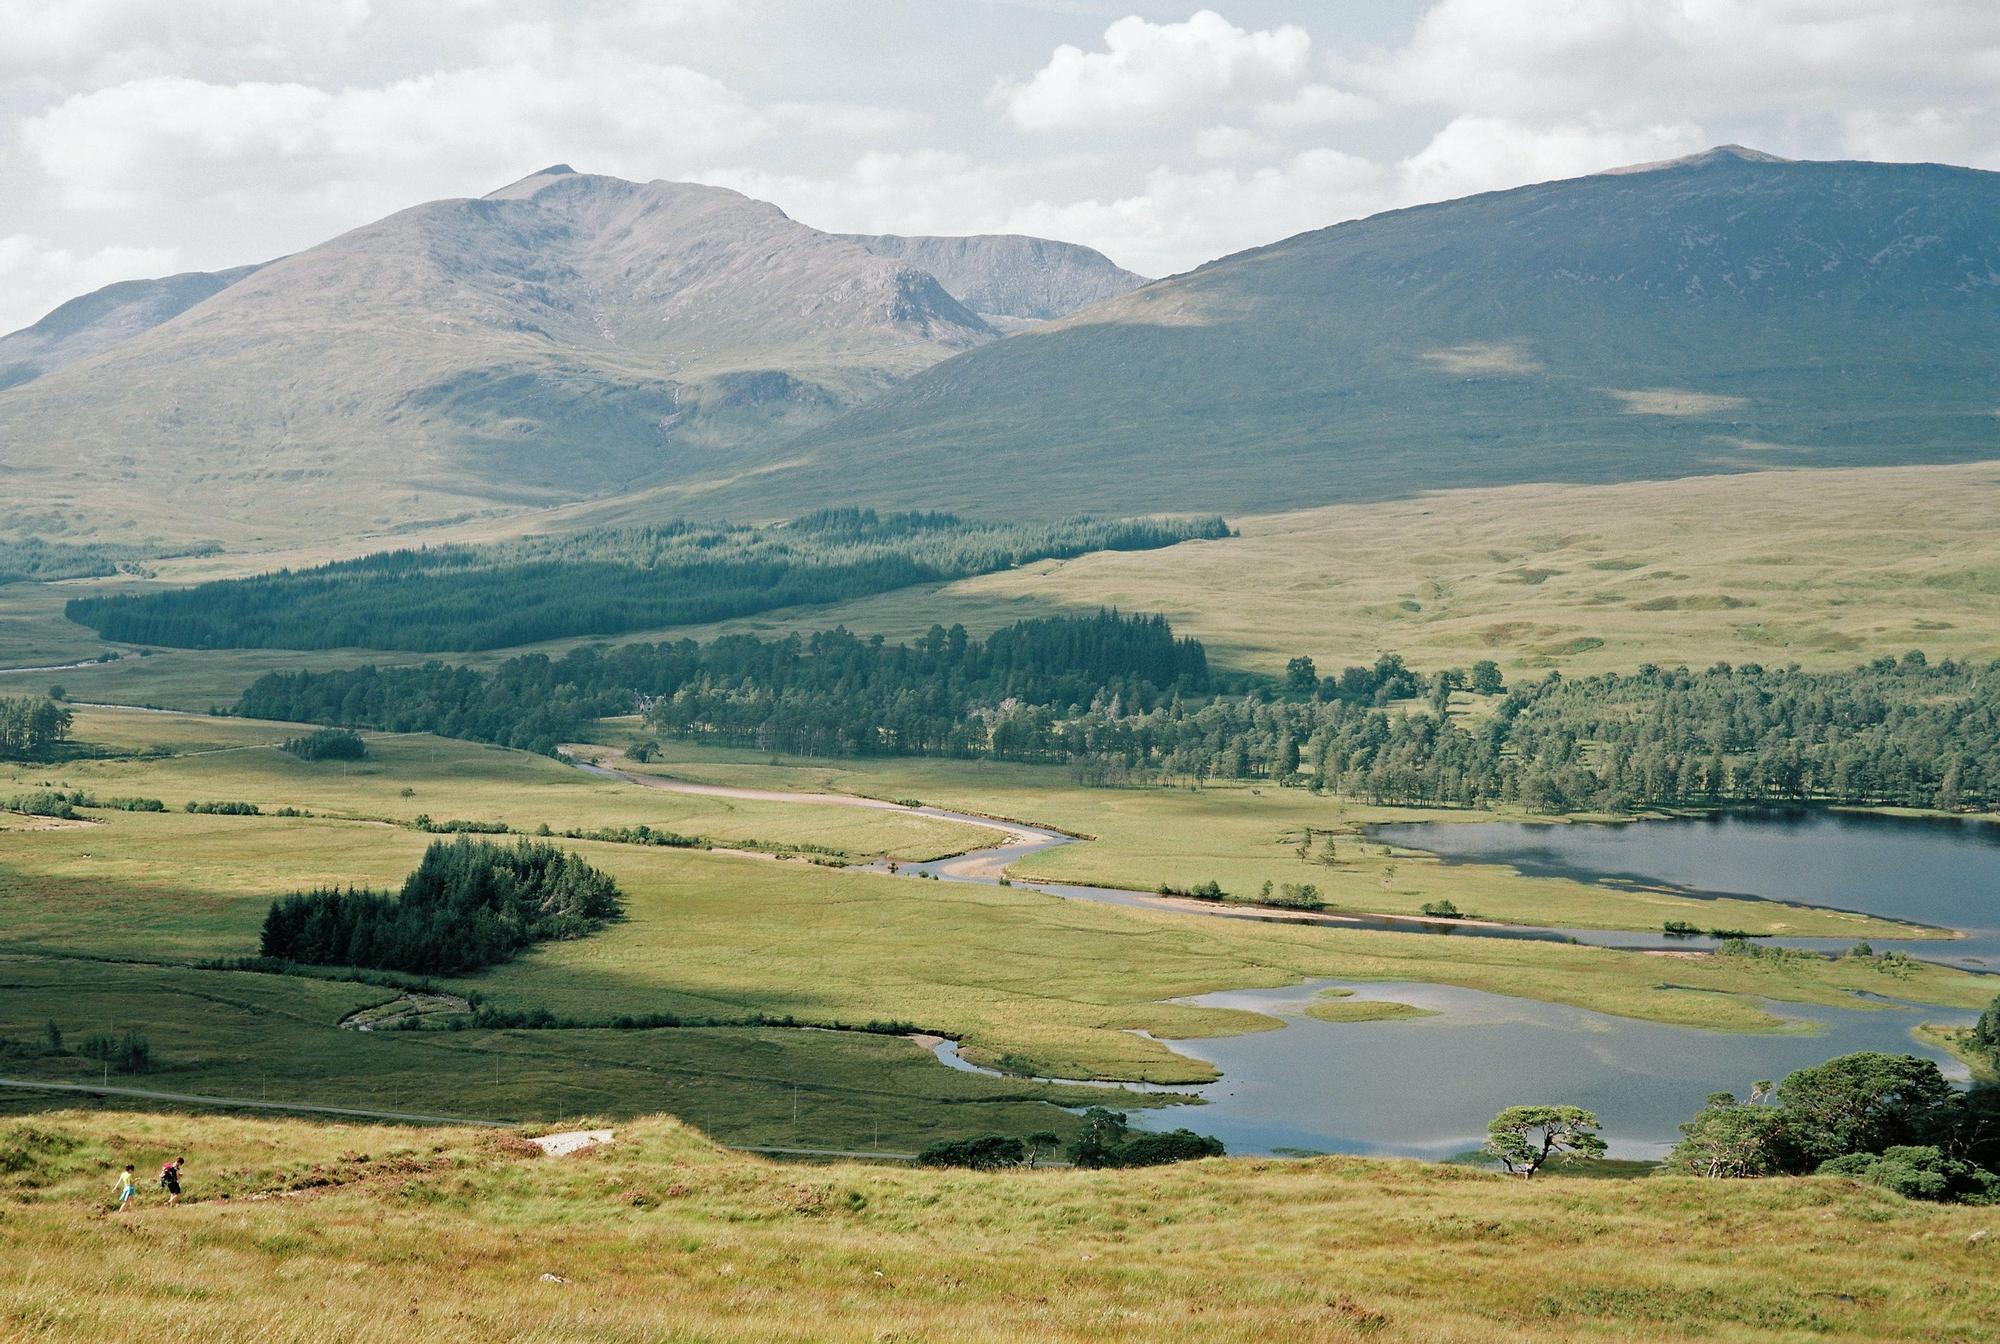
1010 279
103 318
566 336
1717 313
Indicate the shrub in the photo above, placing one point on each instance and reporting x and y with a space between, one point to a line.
44 803
1917 1172
1441 910
225 809
981 1154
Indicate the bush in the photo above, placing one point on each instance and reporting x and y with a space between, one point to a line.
1441 910
1918 1172
328 744
424 823
44 803
225 809
1298 896
130 1053
128 804
981 1154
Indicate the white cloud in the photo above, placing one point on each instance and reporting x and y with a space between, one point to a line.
1171 221
1317 105
1962 135
1473 154
36 274
1230 142
467 130
1150 69
1639 60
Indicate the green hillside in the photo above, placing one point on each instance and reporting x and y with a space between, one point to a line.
1721 313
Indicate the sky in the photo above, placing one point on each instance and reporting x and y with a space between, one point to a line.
144 138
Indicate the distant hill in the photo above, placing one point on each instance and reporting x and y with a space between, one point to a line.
1010 279
102 318
567 336
1716 313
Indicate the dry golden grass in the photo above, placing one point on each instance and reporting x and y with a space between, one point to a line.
1822 567
370 1234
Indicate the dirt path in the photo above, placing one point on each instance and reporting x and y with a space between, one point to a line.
251 1103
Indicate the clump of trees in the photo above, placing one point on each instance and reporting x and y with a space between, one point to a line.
129 1053
32 727
990 1152
1893 1120
1108 1140
469 904
328 744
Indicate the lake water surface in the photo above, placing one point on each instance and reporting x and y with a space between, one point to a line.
1940 871
1425 1087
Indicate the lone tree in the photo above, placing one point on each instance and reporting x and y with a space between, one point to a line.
1527 1138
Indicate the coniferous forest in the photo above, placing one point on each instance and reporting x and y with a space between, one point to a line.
1123 700
602 582
470 903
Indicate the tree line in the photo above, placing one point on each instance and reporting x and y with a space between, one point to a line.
606 581
828 693
469 904
32 727
1122 700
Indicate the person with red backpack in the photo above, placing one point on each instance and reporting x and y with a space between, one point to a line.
170 1180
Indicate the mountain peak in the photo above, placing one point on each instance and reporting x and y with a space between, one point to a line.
1721 154
532 183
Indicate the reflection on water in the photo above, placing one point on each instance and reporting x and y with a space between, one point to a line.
1425 1087
1940 871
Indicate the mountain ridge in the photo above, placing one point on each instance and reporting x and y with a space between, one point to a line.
564 336
1724 312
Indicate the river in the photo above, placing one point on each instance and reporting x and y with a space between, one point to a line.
1425 1087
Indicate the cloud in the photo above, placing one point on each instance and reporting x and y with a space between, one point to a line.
264 144
1152 69
1317 105
1627 61
1474 154
1230 142
1170 221
36 274
1962 135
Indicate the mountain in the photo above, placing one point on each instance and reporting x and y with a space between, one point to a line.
102 318
1010 279
1719 313
565 336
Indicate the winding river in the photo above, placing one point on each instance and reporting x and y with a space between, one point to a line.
1425 1086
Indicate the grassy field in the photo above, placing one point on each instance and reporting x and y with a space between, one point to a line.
1243 836
1028 981
272 1038
1823 567
295 1231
